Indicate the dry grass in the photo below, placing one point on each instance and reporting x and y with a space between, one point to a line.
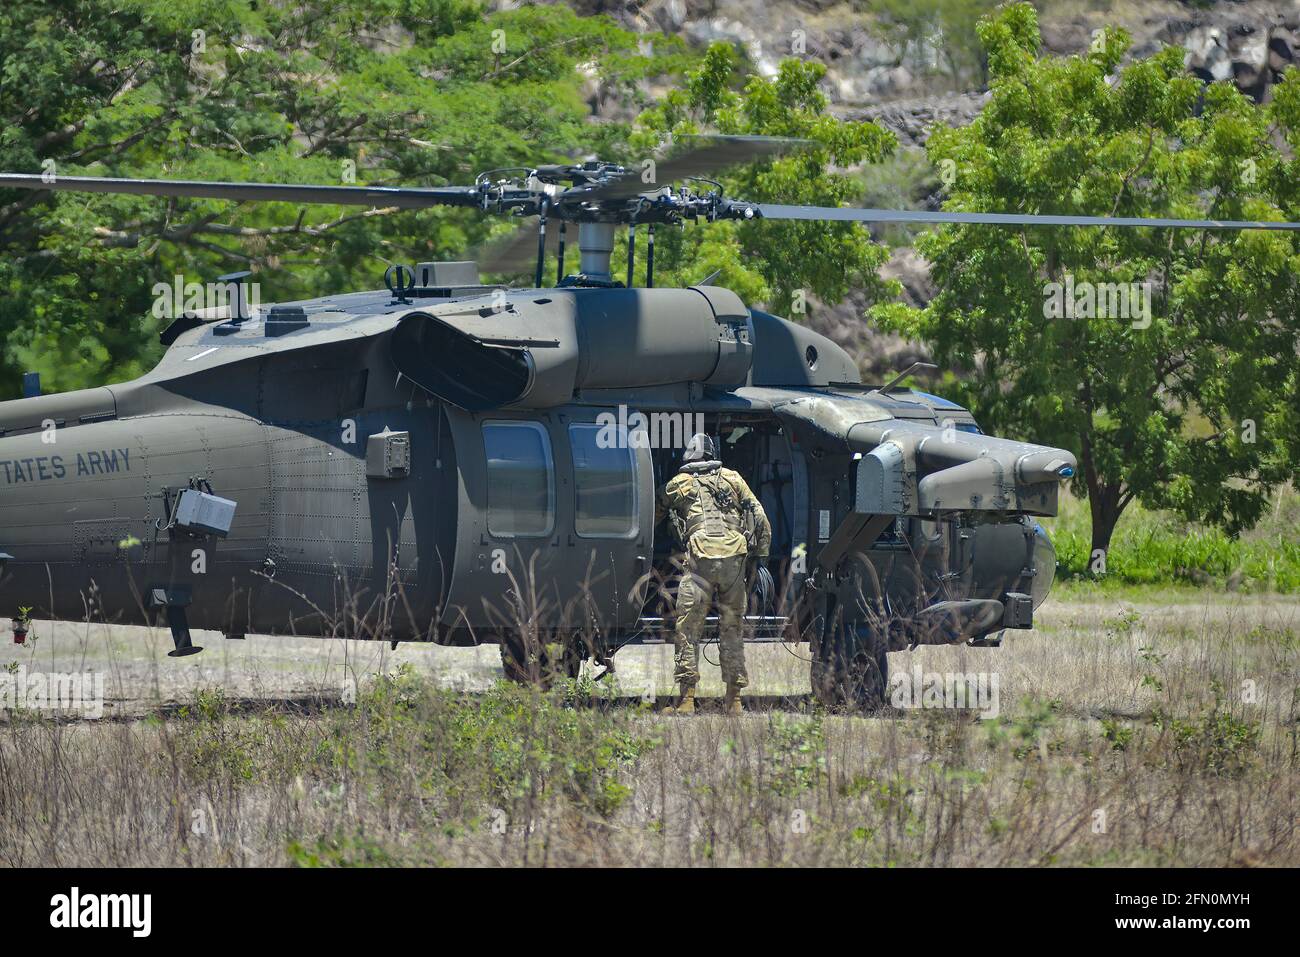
1123 739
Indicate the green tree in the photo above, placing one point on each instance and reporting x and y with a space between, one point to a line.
771 262
1189 412
417 92
940 29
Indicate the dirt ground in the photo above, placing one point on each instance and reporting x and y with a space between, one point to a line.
1081 652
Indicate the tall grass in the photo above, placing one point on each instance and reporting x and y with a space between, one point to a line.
1177 771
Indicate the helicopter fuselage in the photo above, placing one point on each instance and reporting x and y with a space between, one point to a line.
486 461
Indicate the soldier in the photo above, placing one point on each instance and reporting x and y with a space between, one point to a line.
720 528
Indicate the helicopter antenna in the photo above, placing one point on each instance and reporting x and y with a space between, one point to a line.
905 373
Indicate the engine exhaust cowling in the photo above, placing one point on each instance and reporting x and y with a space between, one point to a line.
536 352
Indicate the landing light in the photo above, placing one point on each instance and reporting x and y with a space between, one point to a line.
1061 467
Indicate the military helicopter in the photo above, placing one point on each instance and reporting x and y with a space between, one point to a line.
455 462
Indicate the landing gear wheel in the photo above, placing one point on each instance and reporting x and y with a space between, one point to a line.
850 669
526 660
534 661
572 654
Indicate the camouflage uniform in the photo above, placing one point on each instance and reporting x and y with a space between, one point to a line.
720 524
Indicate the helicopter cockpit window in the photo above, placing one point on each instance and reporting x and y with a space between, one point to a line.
520 485
605 484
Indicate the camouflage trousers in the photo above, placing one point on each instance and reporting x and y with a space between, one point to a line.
724 577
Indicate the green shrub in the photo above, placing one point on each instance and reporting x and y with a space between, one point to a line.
1156 548
1215 742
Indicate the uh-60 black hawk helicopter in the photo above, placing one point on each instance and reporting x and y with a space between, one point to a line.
454 462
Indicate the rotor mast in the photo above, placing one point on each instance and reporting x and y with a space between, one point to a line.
595 249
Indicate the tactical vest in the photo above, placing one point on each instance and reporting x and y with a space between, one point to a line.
719 514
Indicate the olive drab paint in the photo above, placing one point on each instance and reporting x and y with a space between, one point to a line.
323 541
416 463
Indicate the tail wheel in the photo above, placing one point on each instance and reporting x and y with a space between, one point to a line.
850 669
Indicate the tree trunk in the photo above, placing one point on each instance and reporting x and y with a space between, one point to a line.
1106 503
1104 517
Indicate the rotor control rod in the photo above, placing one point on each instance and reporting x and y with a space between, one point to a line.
650 257
541 246
631 253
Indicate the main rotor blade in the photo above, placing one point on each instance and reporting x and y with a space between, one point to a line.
707 156
402 196
851 214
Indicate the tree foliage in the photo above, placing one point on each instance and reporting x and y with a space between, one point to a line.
418 92
773 262
1192 412
940 34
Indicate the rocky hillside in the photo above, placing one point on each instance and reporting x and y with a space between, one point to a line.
896 58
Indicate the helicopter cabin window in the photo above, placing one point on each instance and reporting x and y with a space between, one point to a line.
604 484
521 484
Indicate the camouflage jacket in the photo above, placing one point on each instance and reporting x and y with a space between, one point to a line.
714 513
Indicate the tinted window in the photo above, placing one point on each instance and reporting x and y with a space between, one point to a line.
520 489
604 484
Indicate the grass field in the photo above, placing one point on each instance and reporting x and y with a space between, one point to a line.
1157 548
1156 731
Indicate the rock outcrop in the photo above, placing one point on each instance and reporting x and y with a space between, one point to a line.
874 64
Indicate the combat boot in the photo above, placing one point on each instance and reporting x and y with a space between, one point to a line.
731 703
685 702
